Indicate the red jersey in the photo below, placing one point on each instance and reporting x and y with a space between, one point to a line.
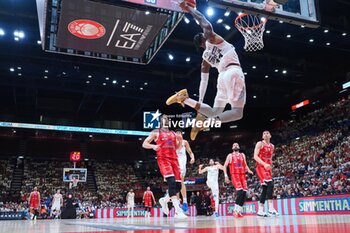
237 164
34 200
266 152
148 196
167 143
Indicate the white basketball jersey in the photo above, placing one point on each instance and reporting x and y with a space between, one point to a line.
130 197
57 199
181 153
213 174
220 55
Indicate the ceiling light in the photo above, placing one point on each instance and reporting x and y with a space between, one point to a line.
284 72
188 59
210 11
311 40
328 44
19 74
220 21
194 94
227 27
245 73
254 67
344 34
64 73
127 81
171 57
87 81
107 78
38 42
46 71
326 31
276 70
186 20
123 86
16 39
104 84
268 31
302 26
19 34
147 13
281 21
12 69
254 97
2 32
89 76
289 36
90 135
146 84
141 88
45 77
266 76
233 126
114 82
227 13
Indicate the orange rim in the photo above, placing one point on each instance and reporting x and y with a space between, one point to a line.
248 28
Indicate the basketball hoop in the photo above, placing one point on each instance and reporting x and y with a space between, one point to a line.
252 28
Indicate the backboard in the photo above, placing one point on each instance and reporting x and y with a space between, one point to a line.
299 12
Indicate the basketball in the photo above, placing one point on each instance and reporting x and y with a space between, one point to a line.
191 3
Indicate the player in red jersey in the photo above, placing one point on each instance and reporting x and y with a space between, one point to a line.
147 200
166 145
34 202
263 156
238 168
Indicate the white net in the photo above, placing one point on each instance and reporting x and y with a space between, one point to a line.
252 28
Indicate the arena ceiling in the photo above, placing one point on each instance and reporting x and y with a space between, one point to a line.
307 64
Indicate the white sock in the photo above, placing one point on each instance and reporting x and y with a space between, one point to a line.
261 208
191 102
167 198
176 204
271 207
236 208
184 200
240 208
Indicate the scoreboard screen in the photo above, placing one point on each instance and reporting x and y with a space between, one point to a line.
172 5
75 156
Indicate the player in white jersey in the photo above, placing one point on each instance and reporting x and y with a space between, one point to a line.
57 203
212 180
130 199
221 55
181 155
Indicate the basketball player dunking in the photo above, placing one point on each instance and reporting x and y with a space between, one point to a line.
212 180
238 167
130 202
57 203
181 153
147 200
34 202
231 89
166 146
263 156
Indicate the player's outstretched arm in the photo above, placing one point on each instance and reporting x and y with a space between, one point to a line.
189 151
203 22
219 166
201 170
205 67
147 143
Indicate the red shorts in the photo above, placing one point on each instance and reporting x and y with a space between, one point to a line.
239 181
148 203
34 205
263 174
169 167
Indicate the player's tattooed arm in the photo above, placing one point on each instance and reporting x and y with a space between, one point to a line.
203 22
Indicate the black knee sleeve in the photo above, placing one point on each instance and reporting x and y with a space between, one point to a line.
244 197
171 186
178 187
263 194
239 197
269 190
